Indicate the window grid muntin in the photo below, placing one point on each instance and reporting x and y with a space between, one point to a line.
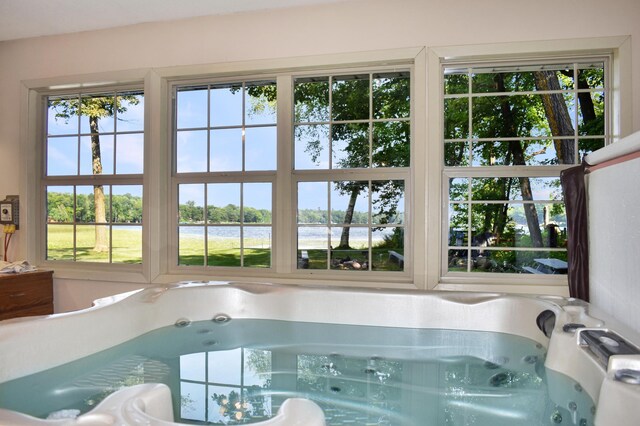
575 63
240 224
75 223
371 120
370 226
469 171
74 180
205 178
243 126
294 175
368 174
79 134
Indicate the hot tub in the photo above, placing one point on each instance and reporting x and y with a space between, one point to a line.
353 344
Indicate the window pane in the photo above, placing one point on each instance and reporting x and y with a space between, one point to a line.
587 146
350 97
60 204
456 81
257 246
126 203
313 243
456 118
350 146
191 245
313 199
196 394
130 154
458 189
96 114
387 201
226 150
458 260
223 246
92 243
126 244
591 114
257 202
130 112
103 151
191 107
350 202
312 147
62 157
311 99
191 200
458 224
391 144
191 151
388 249
391 95
62 115
86 209
226 105
260 148
260 105
60 242
456 154
591 75
350 248
223 203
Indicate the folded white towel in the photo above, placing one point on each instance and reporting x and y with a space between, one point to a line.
15 267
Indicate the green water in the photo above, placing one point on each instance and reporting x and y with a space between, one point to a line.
240 372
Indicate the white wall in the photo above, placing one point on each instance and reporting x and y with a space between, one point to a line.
358 25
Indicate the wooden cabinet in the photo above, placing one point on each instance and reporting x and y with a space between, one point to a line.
26 294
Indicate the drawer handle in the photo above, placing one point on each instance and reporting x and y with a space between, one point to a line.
18 294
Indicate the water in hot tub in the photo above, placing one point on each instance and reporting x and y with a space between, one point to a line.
240 371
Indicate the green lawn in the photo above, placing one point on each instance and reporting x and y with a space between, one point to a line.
127 244
127 248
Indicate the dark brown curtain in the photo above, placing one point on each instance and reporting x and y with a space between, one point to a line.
575 198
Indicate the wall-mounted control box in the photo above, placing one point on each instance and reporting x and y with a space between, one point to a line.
10 211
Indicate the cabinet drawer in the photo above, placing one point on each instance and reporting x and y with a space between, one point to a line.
23 291
27 312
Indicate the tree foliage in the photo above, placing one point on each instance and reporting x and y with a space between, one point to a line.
517 118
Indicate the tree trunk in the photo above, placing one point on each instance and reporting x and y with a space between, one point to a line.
348 217
517 152
558 116
101 244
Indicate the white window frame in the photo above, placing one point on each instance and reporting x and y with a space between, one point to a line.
284 246
619 74
33 135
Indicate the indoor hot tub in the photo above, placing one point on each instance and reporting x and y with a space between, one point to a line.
231 353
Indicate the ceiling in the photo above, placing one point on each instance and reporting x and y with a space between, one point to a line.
32 18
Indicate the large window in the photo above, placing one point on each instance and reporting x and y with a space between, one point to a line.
349 138
225 166
509 130
94 160
346 124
